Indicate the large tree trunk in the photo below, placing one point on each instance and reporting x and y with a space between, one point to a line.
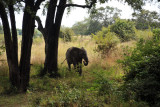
16 76
9 45
27 36
48 27
53 36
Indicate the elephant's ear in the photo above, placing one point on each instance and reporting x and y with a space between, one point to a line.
81 51
82 48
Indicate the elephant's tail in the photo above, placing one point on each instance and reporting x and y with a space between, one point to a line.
63 61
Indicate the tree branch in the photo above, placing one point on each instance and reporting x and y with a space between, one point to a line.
82 6
40 27
37 4
76 5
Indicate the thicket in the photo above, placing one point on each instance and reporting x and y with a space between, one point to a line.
106 41
156 34
124 29
108 38
142 73
66 34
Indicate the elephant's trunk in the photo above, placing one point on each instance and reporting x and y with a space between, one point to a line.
85 61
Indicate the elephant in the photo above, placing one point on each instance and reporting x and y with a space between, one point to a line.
75 56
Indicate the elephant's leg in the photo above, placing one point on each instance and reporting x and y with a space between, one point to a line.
76 67
80 68
80 71
75 64
69 66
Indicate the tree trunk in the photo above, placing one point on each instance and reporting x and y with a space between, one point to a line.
53 36
10 49
48 27
27 36
15 75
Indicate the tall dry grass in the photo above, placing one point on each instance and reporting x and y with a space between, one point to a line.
81 41
38 53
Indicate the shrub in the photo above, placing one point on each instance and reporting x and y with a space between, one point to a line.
106 40
156 33
142 73
144 34
124 29
66 34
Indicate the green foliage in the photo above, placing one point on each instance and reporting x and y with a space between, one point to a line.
80 28
136 4
106 40
144 34
142 73
145 19
66 34
4 83
93 27
124 29
101 83
103 16
156 34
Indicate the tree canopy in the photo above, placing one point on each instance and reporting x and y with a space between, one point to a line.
145 19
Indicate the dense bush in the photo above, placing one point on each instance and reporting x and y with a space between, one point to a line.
66 34
144 34
156 33
106 40
142 73
124 29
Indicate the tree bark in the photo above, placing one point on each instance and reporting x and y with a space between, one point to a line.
15 75
27 36
10 49
53 36
48 27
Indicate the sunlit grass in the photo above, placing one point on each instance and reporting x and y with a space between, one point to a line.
146 34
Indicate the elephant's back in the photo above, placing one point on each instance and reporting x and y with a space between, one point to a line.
71 52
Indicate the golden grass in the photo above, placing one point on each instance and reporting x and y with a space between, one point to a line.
38 54
85 42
